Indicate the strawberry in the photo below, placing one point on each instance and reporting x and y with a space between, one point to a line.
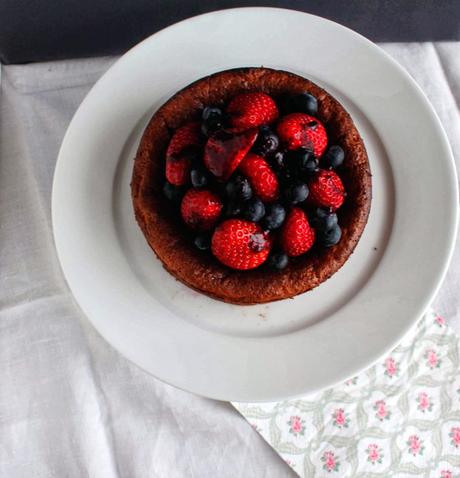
240 244
299 130
224 152
200 209
178 162
250 110
326 190
297 236
263 180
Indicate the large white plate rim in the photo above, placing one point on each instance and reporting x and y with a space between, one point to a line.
321 332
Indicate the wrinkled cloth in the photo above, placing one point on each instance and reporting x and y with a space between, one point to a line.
70 405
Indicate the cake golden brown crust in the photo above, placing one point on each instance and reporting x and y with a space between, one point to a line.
168 236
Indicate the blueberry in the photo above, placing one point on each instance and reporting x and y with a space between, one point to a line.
304 103
173 193
330 237
267 141
274 216
296 193
304 160
307 161
334 157
199 178
254 210
232 209
211 113
277 161
202 242
277 261
212 120
239 189
288 175
323 219
210 127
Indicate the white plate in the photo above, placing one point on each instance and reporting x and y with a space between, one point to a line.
283 349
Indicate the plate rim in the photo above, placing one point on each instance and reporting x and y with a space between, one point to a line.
421 97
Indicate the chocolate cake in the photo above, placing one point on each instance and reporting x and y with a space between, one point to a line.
175 243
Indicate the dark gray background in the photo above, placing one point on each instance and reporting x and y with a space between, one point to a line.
37 30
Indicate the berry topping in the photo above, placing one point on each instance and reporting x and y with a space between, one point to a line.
296 193
184 143
202 242
297 236
250 110
304 161
212 120
274 216
267 142
277 261
211 113
200 209
327 190
224 152
238 189
333 158
277 161
262 178
240 244
264 171
199 177
254 210
330 237
299 130
302 103
173 193
323 219
232 209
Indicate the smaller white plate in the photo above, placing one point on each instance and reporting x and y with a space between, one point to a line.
282 349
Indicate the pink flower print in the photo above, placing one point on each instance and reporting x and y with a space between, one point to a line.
455 436
382 413
374 453
415 445
296 425
440 321
391 367
331 463
446 474
340 418
424 402
432 359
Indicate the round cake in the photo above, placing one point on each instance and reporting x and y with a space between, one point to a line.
252 185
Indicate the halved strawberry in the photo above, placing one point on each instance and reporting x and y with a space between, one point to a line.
225 151
240 244
200 209
250 110
262 178
326 190
297 236
299 130
178 162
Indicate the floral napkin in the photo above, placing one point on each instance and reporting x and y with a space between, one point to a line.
399 418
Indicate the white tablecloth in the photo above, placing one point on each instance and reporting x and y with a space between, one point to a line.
71 406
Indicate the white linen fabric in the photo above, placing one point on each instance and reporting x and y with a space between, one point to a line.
70 405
